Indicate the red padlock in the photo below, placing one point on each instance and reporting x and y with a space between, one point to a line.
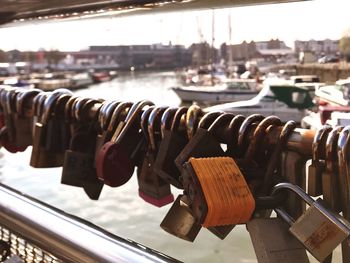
116 161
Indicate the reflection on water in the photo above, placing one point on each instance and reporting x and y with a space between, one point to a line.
137 86
120 210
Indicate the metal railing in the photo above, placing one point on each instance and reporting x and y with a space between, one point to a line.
37 232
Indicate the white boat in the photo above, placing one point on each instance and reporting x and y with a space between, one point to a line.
80 80
288 102
230 90
337 94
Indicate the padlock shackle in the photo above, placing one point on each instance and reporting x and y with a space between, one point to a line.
69 108
193 116
61 103
107 113
344 180
22 100
144 121
309 200
232 134
177 118
131 118
286 217
244 128
221 121
259 133
286 131
167 119
49 105
208 118
331 147
155 115
319 139
116 115
82 111
294 188
77 106
102 113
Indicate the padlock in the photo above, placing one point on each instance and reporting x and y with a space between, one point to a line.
23 118
109 119
69 113
344 183
8 132
204 142
330 178
251 164
56 134
40 157
217 191
65 128
319 229
117 158
272 241
152 188
173 141
273 173
78 167
8 106
180 222
317 166
293 171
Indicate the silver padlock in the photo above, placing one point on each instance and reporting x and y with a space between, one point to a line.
180 222
319 229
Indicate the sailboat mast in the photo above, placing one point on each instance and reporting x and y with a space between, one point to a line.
229 42
212 55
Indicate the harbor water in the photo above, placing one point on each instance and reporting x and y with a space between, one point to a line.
120 210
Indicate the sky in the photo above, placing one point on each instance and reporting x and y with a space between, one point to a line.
317 19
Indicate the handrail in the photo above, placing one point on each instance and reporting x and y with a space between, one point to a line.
68 237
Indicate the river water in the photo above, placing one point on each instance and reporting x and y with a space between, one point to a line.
120 210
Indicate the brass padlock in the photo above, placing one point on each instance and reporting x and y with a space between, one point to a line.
319 229
40 157
180 222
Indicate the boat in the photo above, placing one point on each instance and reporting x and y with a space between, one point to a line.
99 77
326 114
229 90
80 80
334 106
288 102
337 94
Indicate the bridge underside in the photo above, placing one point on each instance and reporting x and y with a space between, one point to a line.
42 10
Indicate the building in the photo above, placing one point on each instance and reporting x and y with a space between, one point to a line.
137 56
318 47
245 51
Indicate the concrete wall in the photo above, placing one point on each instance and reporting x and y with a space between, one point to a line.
328 73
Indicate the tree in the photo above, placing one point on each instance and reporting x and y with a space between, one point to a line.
344 45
